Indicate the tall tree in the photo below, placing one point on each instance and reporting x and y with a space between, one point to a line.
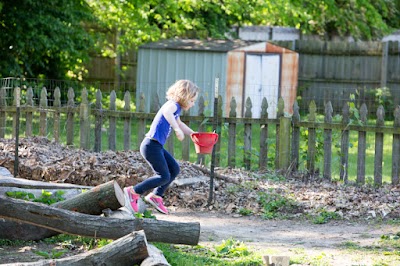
44 38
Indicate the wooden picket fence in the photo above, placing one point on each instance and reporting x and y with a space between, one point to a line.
287 131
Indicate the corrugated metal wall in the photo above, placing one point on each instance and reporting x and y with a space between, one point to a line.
160 68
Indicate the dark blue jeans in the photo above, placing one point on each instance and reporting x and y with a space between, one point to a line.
165 168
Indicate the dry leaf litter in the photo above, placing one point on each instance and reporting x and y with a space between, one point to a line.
234 189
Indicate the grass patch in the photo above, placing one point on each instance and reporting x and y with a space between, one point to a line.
230 252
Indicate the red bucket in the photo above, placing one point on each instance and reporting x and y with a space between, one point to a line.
204 141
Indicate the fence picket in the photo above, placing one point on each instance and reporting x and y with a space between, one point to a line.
29 113
380 121
311 138
98 122
112 135
70 117
43 112
127 121
247 135
396 148
3 117
295 137
344 145
328 142
263 161
362 146
84 115
141 121
56 115
201 157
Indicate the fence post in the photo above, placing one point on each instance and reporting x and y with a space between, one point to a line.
127 121
57 105
29 113
362 146
396 148
98 122
84 121
43 113
247 135
380 114
263 159
70 117
328 142
232 134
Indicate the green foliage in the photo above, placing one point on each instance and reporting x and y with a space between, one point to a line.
46 197
245 212
231 248
274 204
44 38
145 214
361 19
325 216
229 253
54 254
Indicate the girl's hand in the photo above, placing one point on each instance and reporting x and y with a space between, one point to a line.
179 134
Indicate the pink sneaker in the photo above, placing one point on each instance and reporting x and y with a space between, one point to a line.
131 200
157 203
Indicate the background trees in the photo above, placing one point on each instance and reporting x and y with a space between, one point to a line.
44 38
53 38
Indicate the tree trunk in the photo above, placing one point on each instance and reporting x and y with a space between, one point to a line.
64 221
127 250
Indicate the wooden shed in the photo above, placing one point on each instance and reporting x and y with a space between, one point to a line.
244 69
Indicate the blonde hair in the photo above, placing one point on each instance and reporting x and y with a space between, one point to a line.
182 91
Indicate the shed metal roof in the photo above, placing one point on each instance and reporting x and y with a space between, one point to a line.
197 45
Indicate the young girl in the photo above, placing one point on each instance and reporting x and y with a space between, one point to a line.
181 95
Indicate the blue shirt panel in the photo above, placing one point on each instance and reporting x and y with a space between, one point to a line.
160 129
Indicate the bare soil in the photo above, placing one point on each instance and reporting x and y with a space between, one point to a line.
364 213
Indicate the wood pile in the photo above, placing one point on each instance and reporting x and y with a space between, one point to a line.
82 215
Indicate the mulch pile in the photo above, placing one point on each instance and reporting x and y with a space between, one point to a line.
239 192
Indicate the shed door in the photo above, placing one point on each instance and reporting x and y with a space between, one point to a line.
262 80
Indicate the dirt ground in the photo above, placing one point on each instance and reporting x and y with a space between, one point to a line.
322 243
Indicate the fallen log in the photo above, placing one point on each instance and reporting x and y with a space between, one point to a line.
128 250
68 222
21 231
92 201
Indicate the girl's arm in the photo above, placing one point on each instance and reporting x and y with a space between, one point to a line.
185 128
